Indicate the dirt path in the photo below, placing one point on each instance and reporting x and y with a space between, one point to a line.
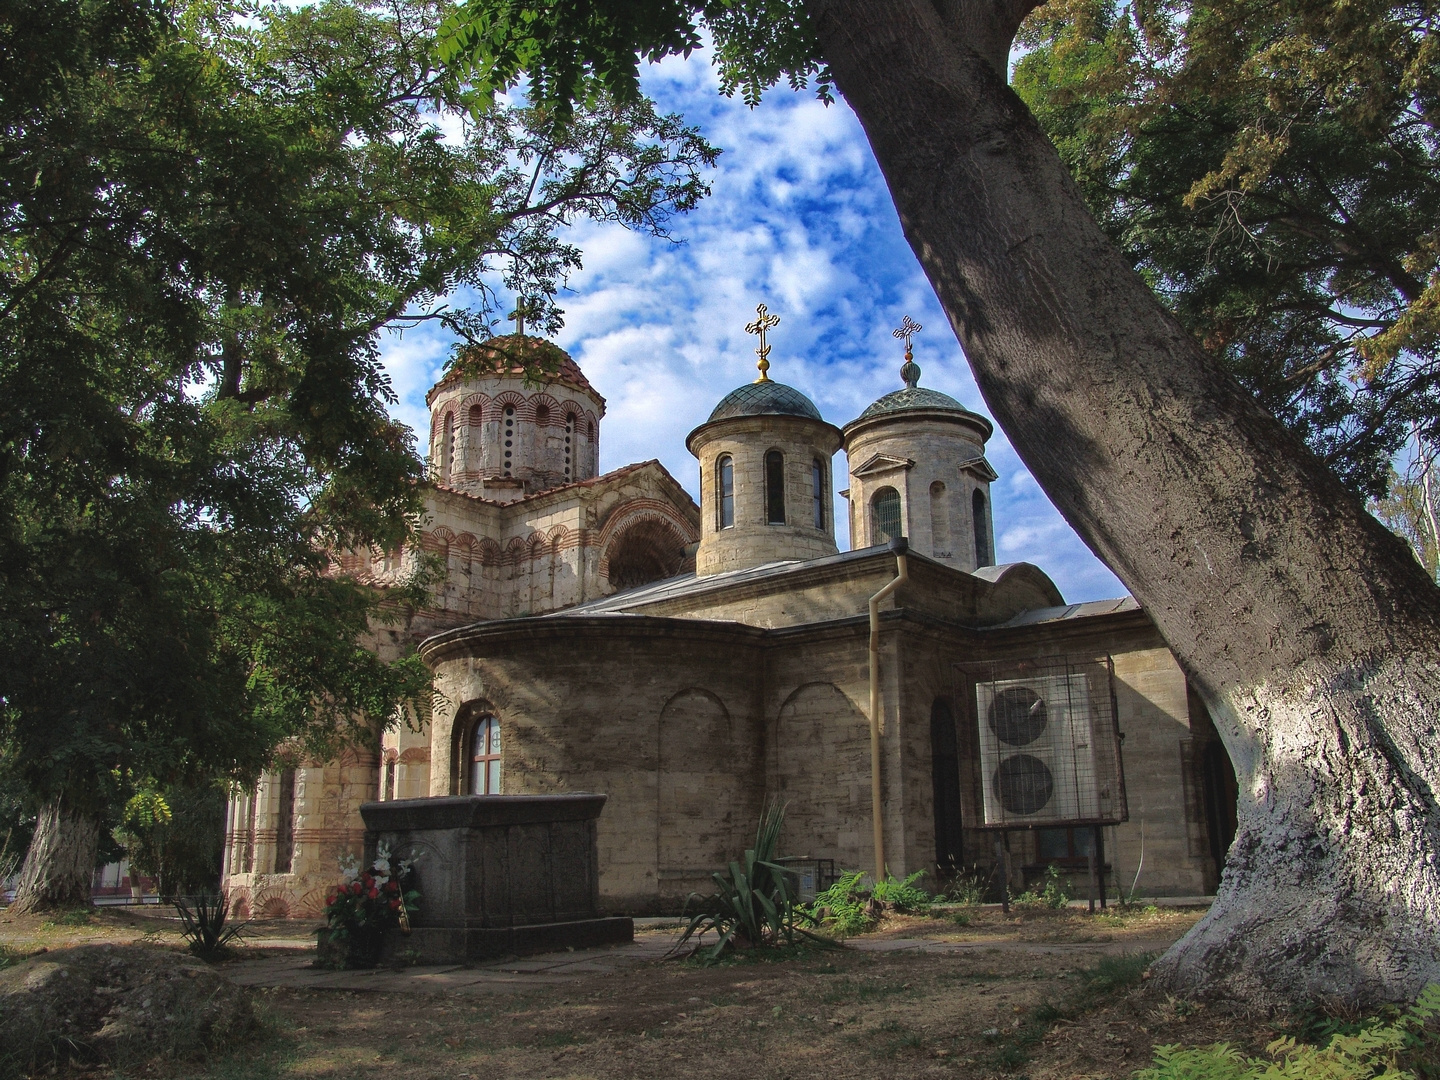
1045 995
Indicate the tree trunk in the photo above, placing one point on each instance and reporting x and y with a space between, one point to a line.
1308 628
60 864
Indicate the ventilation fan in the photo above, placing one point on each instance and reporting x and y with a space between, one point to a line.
1037 751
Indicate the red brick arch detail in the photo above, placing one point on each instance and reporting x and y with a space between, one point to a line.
470 403
466 542
549 403
415 755
496 409
636 510
517 548
390 754
557 536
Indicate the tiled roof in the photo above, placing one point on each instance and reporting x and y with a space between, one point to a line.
488 359
613 474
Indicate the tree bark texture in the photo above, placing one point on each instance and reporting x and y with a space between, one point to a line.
1309 629
60 864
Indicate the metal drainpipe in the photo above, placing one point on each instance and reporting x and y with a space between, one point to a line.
900 546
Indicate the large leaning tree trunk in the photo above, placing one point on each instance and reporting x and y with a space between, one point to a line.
60 864
1309 630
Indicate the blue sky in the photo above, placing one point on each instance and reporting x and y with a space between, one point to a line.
799 219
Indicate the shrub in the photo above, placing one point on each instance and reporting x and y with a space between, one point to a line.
752 906
204 925
1054 892
902 895
843 908
1398 1046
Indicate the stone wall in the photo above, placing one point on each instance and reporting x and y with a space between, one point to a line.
752 540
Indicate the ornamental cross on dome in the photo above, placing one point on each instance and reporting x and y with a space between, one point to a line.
764 322
908 329
909 371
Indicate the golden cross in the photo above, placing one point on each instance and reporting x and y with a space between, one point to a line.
908 329
518 315
759 326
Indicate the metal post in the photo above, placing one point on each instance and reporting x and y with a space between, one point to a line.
1093 884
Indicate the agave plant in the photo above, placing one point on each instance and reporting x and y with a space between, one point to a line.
203 924
753 906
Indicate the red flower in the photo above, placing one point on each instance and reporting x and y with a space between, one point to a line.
394 905
357 888
372 894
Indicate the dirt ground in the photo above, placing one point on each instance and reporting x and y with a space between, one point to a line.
1042 994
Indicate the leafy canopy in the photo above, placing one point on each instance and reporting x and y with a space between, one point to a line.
574 50
210 214
1273 170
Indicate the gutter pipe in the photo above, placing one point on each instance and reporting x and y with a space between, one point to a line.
900 546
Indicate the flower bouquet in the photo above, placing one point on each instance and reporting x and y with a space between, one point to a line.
363 906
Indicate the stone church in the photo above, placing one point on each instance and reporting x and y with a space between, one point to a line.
696 663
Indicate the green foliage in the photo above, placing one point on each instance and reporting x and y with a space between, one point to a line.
175 836
902 895
843 908
576 51
752 906
1054 892
213 211
1402 1046
964 888
850 907
1272 169
202 922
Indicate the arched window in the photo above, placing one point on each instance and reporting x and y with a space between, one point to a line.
480 758
884 516
817 485
983 555
285 823
775 488
542 415
477 415
939 521
447 448
725 492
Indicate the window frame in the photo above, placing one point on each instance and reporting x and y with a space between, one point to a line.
817 482
724 492
774 492
877 535
980 512
469 756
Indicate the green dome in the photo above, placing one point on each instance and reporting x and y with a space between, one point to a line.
768 398
912 397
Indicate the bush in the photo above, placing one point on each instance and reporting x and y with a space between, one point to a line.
752 906
203 924
848 907
1397 1046
1054 892
843 908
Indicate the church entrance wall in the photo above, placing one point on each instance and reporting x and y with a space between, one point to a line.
660 715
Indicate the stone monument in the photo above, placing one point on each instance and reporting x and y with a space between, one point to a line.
498 875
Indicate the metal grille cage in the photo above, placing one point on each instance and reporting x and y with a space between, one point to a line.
1048 739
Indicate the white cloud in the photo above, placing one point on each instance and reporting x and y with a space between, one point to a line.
799 219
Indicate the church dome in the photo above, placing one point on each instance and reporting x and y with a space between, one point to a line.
912 397
508 356
767 398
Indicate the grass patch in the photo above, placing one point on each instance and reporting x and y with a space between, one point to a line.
555 1039
773 954
1111 975
847 991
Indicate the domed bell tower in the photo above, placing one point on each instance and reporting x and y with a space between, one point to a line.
918 469
765 487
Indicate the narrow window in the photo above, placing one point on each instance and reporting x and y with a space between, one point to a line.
983 554
725 491
542 415
817 484
484 766
285 823
389 792
775 488
884 516
249 860
447 448
569 445
939 521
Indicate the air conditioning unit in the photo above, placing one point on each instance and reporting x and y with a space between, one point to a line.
1038 751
